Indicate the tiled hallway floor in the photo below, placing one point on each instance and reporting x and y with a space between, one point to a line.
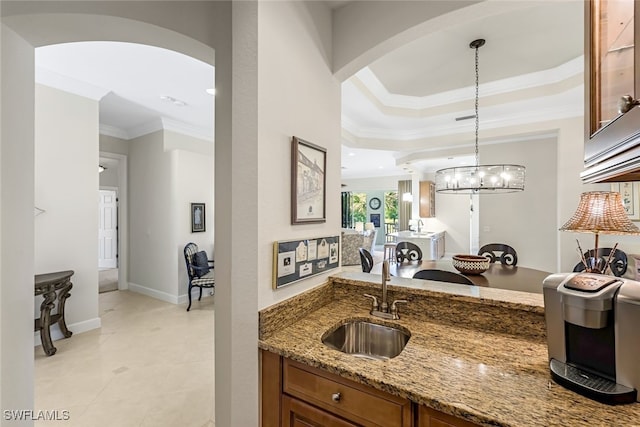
151 364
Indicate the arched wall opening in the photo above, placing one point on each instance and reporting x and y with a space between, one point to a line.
201 31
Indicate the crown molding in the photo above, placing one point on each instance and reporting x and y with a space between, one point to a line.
561 106
187 129
52 79
155 125
113 131
376 89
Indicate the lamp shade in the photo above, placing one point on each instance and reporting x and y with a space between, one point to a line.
600 212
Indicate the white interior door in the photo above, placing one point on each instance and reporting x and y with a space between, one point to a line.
108 231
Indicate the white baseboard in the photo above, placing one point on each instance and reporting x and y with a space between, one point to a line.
166 297
76 328
195 292
153 293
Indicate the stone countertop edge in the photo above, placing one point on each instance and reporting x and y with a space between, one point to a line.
477 294
292 328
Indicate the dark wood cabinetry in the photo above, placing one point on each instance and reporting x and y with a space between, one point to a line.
297 395
428 417
612 140
296 413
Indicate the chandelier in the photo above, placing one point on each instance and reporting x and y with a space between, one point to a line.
498 178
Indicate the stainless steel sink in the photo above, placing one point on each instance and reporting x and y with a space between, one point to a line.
366 339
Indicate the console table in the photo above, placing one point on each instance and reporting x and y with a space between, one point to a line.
52 287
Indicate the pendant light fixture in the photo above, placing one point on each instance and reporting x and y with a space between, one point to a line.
480 179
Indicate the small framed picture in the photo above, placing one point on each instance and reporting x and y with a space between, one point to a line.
629 193
375 219
308 181
198 222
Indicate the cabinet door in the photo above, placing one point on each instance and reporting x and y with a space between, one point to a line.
428 417
611 41
427 199
612 140
296 413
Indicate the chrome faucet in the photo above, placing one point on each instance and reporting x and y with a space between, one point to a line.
382 309
420 223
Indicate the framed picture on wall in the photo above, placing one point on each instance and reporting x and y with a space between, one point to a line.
629 193
198 222
308 182
375 219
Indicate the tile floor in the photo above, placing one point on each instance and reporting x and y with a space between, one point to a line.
151 364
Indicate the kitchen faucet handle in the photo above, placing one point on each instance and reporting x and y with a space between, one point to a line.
374 303
394 307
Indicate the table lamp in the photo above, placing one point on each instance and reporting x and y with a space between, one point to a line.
599 212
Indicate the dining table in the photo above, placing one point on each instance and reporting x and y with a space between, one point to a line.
498 276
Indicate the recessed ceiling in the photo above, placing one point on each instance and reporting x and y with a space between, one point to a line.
134 77
532 39
426 84
405 104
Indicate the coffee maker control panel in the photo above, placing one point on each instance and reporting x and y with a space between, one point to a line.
587 282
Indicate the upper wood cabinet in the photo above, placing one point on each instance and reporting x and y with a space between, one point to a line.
427 199
612 140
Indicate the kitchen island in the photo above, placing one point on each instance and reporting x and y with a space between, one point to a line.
431 243
477 355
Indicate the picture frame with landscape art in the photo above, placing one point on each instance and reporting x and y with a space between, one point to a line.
629 193
198 220
308 182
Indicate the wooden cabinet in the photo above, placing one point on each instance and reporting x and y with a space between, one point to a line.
427 199
296 413
294 394
297 395
428 417
353 402
612 140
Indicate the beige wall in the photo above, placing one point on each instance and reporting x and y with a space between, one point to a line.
111 144
66 187
297 95
524 220
16 220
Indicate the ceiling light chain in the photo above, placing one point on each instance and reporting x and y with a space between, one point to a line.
499 178
477 46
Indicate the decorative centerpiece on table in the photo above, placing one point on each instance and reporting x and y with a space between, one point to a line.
471 264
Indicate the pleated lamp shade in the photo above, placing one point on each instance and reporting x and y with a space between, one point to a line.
600 212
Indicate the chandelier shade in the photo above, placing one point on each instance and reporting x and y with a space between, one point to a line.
486 178
489 179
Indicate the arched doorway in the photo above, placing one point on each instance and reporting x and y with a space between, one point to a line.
24 27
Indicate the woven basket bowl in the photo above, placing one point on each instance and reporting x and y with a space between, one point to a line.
470 264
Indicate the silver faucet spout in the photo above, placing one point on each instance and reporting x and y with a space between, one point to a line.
384 306
383 310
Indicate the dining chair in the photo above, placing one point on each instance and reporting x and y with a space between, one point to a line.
199 269
499 251
618 262
366 260
442 276
408 251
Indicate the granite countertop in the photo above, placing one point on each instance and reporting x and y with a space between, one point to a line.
478 357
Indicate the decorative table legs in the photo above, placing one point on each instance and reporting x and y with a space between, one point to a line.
52 287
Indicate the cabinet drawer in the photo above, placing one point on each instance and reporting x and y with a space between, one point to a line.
353 401
296 413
